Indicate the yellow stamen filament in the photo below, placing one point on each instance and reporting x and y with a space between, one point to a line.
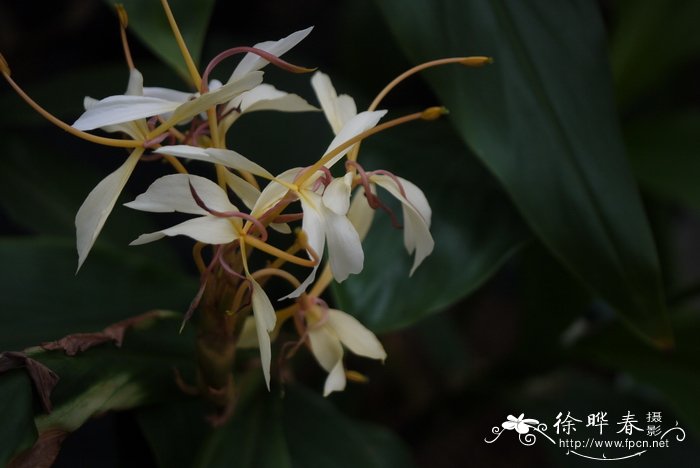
357 138
324 279
197 256
123 23
267 272
177 165
118 143
467 61
191 67
4 67
275 252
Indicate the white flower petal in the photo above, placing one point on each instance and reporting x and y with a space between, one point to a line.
249 336
325 347
253 62
355 336
135 85
267 97
136 129
338 110
282 228
417 198
265 319
335 382
172 193
336 197
98 205
358 124
345 254
274 192
119 109
208 229
417 235
243 189
360 213
227 92
168 94
239 162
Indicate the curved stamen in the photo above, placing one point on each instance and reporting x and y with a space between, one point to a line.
123 24
224 264
392 177
273 59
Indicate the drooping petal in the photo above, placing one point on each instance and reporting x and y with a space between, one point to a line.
227 158
251 62
345 254
356 125
337 109
172 193
336 197
355 336
360 213
249 335
417 237
98 205
265 319
114 110
208 229
328 351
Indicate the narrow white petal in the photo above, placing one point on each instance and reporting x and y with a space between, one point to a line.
355 336
267 97
172 193
135 85
282 228
345 253
249 335
338 110
358 124
243 189
273 192
360 213
98 205
208 229
325 347
227 92
336 197
119 109
417 198
168 94
253 62
335 382
265 319
417 235
237 161
136 129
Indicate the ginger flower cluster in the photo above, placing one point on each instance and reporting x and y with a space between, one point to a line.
320 212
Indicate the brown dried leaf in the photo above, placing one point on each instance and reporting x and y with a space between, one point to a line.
43 453
43 378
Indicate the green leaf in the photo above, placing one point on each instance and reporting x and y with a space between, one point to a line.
652 39
474 226
665 155
17 430
299 430
108 378
148 21
43 300
542 119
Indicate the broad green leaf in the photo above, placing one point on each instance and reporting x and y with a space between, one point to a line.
542 119
148 21
17 430
651 40
474 226
675 373
108 378
42 299
664 153
299 430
